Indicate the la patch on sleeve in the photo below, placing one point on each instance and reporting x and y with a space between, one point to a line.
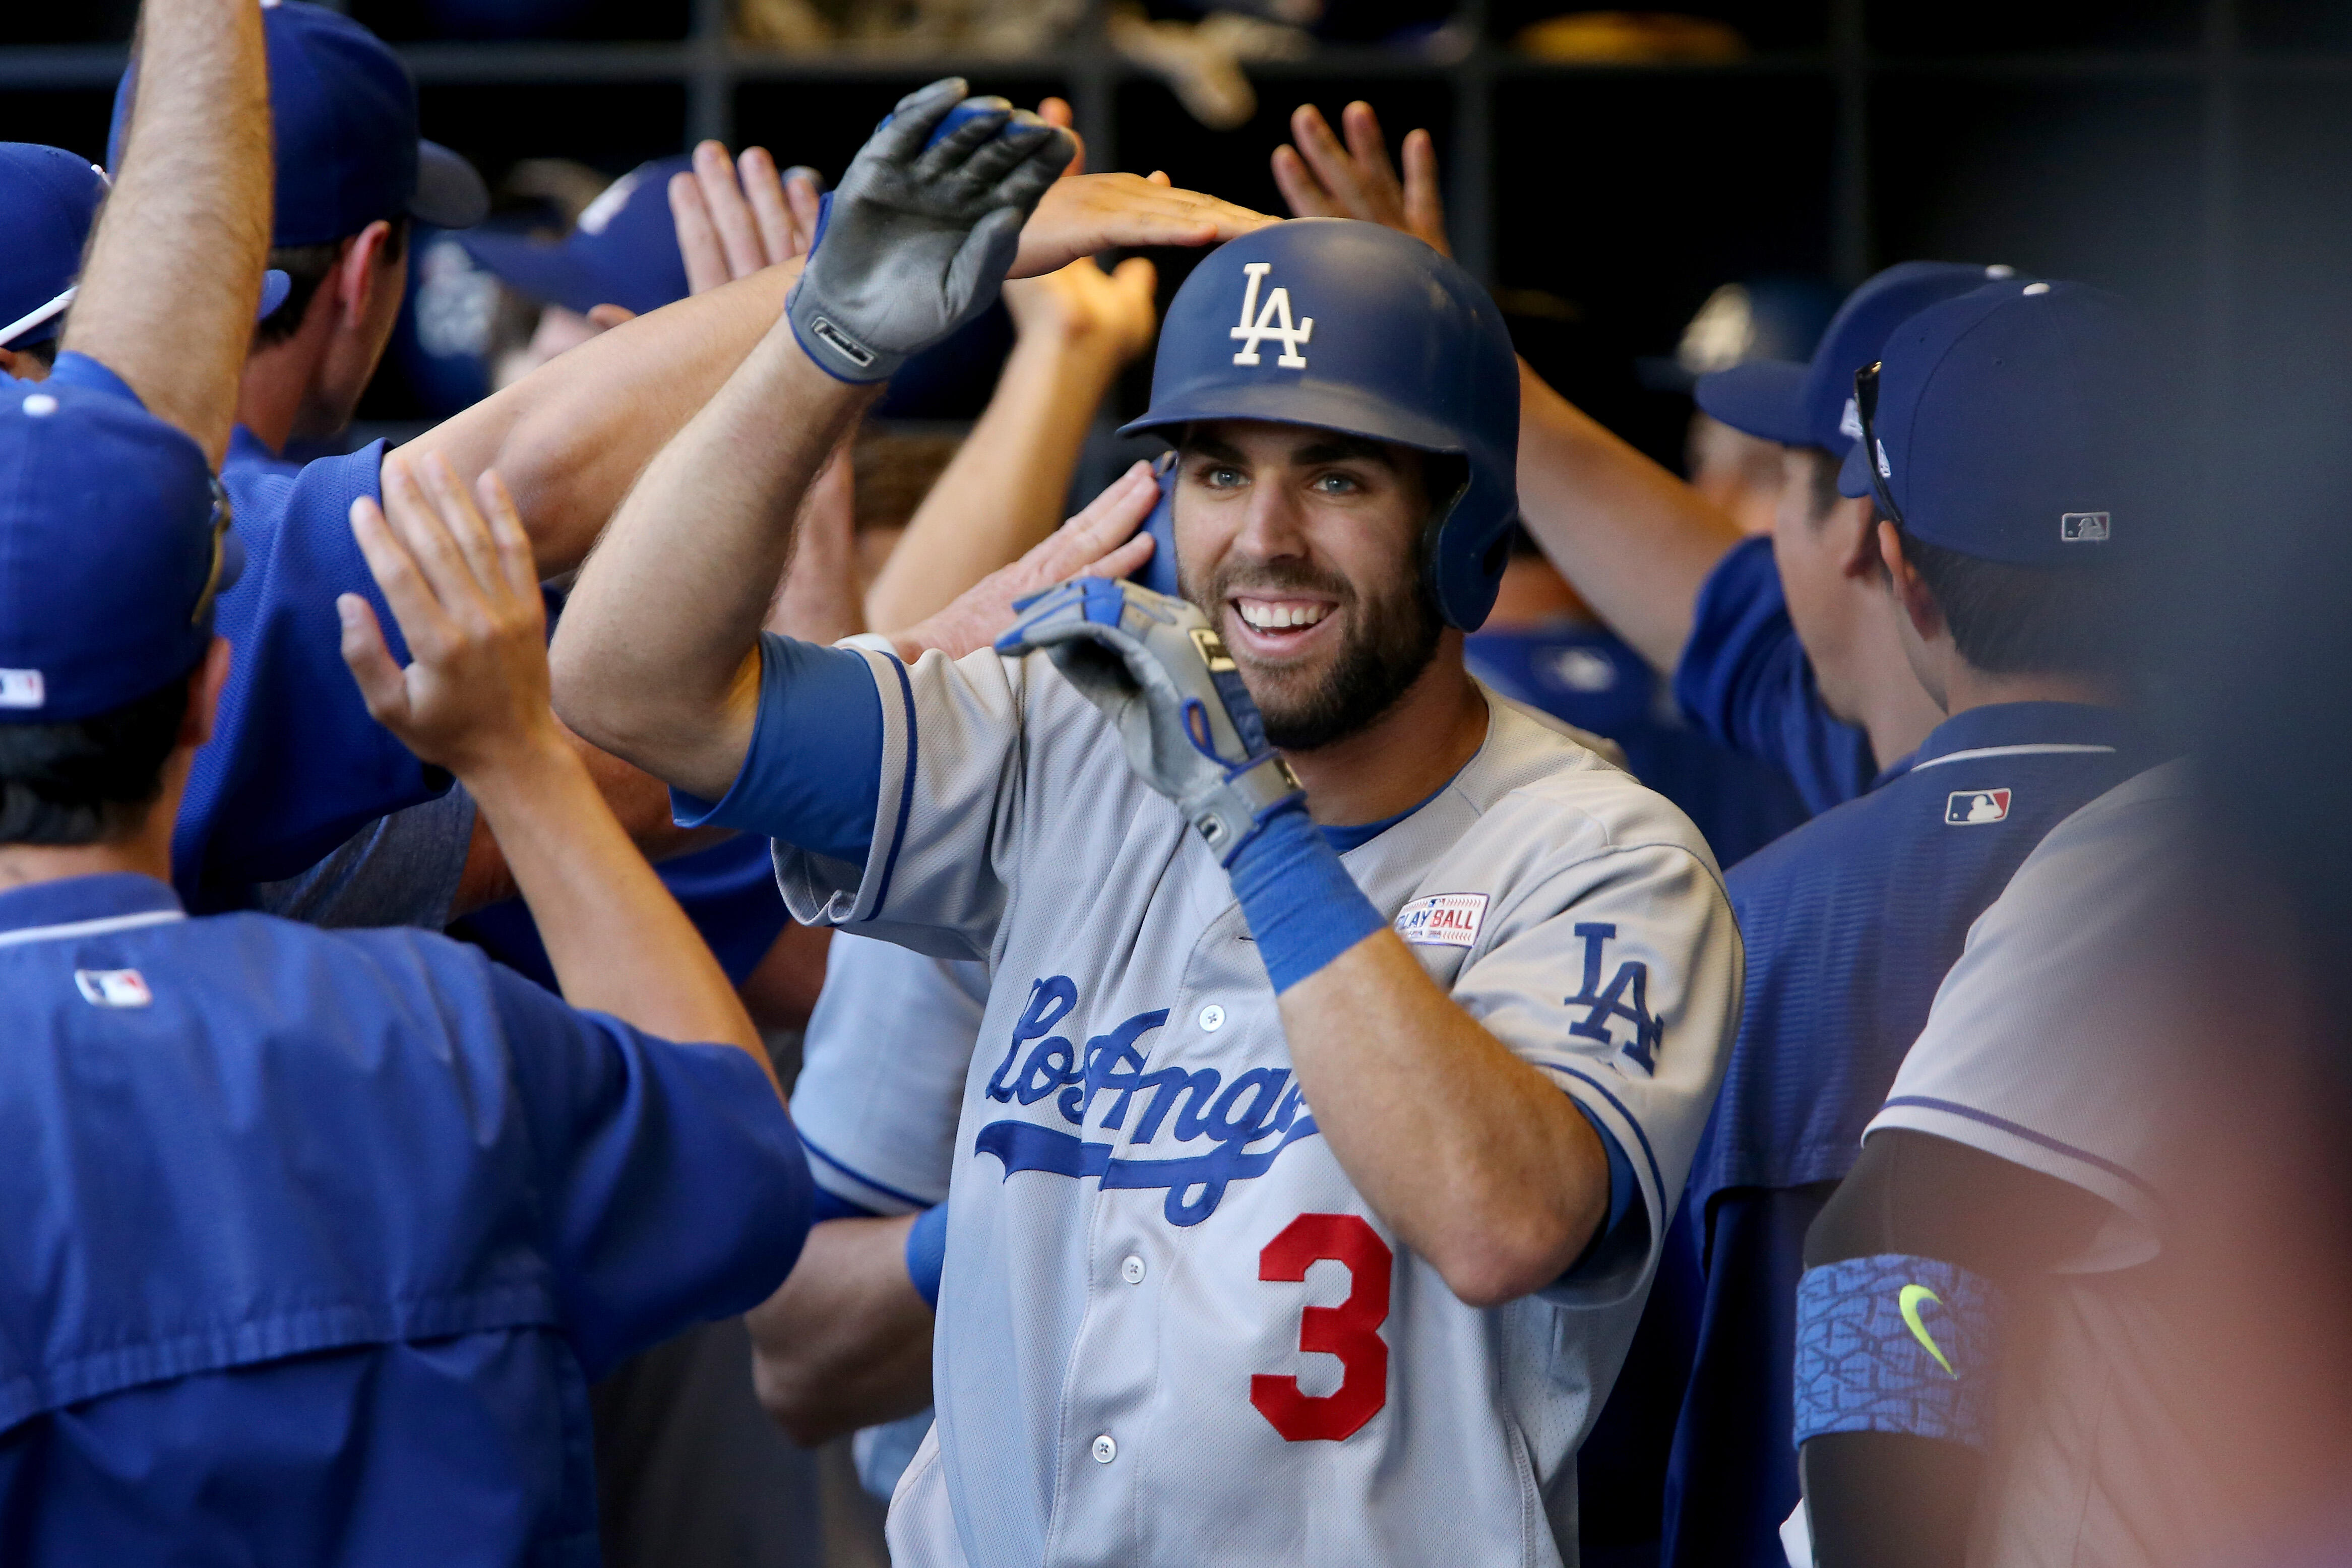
1446 920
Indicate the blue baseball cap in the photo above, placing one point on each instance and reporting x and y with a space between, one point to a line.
1810 405
110 555
2010 425
343 108
623 251
48 200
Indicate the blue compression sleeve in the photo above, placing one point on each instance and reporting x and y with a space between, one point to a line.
1303 908
815 769
927 1253
1895 1343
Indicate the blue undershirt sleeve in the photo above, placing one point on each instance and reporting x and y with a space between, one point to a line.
1622 1188
927 1253
815 769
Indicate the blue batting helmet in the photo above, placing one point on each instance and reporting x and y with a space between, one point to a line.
1351 327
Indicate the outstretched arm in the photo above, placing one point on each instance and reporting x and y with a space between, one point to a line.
459 577
658 657
193 188
1636 541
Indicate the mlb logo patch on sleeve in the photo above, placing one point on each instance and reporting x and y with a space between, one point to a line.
1447 920
1965 807
114 988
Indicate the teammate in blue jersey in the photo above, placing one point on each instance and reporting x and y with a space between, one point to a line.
322 1236
352 174
223 1299
50 199
2011 495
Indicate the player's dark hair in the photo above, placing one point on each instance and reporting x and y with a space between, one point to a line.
1821 483
88 780
306 267
2022 620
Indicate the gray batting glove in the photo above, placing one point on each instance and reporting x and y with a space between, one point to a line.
1160 673
917 238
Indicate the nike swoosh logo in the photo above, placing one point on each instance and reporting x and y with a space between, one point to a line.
1908 1301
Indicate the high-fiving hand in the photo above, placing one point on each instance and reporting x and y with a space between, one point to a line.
736 216
920 232
1322 179
460 579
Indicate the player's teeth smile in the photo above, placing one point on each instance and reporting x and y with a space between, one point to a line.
1280 616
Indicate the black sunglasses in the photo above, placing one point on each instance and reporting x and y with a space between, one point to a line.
1865 408
220 521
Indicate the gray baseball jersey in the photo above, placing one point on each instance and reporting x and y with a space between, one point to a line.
2058 1043
882 1071
1171 1330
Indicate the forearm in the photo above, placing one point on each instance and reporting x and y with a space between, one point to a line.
616 939
1482 1165
194 186
638 801
656 657
1636 541
845 1342
1006 485
571 438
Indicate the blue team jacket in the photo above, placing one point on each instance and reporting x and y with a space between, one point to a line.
310 1242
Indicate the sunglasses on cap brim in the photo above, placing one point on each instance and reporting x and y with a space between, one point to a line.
1874 456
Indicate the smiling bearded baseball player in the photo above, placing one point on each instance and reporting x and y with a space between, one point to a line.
1351 1030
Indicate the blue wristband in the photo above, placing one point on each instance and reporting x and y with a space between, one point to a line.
927 1253
1303 908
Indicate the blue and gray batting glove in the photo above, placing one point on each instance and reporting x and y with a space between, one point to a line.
917 238
1160 673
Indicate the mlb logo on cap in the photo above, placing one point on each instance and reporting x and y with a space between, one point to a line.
2083 528
1966 808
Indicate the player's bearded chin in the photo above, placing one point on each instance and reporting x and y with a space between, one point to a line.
1390 637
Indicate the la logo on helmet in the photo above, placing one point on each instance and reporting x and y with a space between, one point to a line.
1273 321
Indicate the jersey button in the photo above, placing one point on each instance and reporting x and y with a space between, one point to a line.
1105 1449
1131 1269
1212 1017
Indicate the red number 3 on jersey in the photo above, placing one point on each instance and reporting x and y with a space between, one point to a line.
1350 1331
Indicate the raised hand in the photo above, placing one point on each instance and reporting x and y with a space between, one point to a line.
460 579
921 230
1084 304
1100 541
735 216
1322 179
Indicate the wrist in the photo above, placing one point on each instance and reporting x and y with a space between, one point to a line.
1303 908
521 769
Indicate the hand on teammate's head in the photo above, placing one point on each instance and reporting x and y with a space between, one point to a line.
1100 541
1322 179
735 215
456 571
1086 215
1083 304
